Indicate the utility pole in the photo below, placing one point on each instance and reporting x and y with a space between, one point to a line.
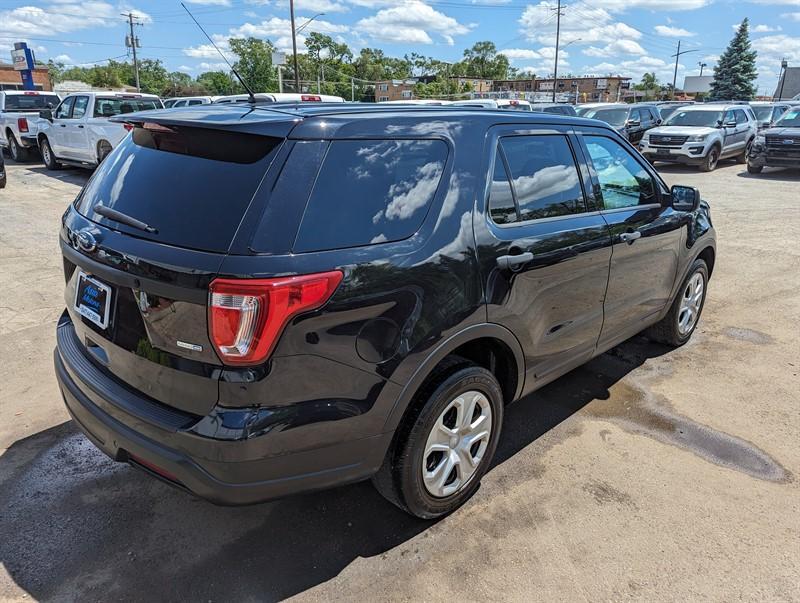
558 35
133 42
294 49
677 55
702 65
352 90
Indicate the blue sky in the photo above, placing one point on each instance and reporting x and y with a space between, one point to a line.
627 37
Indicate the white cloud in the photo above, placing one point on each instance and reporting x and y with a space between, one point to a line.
275 27
64 58
615 48
589 25
412 22
202 67
791 16
210 2
315 6
671 5
186 69
781 2
63 17
520 53
762 28
207 51
673 32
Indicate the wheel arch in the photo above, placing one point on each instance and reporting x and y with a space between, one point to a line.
488 344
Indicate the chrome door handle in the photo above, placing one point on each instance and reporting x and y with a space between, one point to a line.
630 237
506 262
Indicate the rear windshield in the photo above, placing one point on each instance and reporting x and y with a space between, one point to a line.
108 107
192 185
30 102
614 117
371 191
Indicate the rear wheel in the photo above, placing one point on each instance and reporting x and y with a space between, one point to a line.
17 152
710 161
444 448
49 158
676 328
745 154
103 149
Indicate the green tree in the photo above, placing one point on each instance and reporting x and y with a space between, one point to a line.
483 61
218 83
735 73
649 84
153 76
254 63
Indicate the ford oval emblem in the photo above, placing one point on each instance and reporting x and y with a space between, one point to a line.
788 141
86 241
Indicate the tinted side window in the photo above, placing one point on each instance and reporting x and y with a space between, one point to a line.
636 115
371 191
623 180
741 118
544 176
502 208
81 102
65 108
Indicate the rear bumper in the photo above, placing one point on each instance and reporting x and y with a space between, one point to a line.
160 441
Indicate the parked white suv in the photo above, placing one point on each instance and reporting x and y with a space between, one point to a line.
79 132
19 119
702 135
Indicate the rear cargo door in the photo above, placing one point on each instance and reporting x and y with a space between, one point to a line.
141 245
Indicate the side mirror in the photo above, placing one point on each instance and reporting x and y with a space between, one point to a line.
685 198
633 123
46 114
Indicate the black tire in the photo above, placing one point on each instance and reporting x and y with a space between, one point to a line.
400 478
754 169
17 152
103 150
667 331
711 160
743 157
49 158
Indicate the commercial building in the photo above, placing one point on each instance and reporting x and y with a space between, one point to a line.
789 85
472 84
10 79
518 86
589 88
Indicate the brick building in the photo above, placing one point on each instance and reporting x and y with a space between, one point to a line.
12 80
590 89
528 85
475 84
392 90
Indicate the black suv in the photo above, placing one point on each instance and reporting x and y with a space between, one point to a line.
262 301
777 146
631 121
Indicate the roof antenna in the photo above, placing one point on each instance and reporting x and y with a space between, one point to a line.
252 98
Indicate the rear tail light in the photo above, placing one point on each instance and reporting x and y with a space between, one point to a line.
128 127
247 316
22 124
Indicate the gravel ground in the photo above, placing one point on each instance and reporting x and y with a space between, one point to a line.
648 474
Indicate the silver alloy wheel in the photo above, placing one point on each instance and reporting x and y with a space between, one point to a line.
713 159
13 148
456 444
46 152
691 302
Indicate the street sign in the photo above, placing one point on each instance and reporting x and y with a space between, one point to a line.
278 58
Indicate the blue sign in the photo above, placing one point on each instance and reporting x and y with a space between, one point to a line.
24 62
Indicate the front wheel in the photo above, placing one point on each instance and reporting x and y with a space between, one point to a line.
440 454
754 169
677 326
49 158
710 161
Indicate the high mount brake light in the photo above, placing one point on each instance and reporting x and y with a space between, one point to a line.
128 127
247 316
310 98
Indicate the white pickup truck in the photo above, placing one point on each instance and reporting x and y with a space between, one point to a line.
79 132
19 119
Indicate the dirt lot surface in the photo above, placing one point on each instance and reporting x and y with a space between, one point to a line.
648 474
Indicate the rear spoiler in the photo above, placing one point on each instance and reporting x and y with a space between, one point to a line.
273 123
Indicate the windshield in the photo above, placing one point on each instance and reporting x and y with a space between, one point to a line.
668 110
615 117
763 113
108 107
31 102
703 119
790 119
582 111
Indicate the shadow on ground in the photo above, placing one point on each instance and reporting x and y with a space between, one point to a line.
77 526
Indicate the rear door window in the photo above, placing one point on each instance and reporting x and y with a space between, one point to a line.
544 176
371 191
192 185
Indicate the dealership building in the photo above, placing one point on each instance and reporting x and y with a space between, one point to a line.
10 78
